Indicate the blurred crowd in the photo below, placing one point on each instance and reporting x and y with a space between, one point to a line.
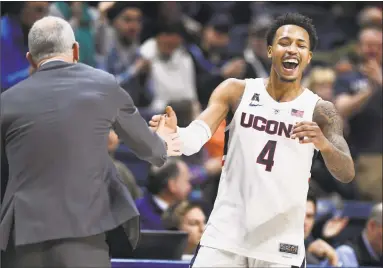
176 53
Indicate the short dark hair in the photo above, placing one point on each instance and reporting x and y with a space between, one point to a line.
293 19
311 196
158 178
170 28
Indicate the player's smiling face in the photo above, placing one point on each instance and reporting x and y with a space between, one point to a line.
290 52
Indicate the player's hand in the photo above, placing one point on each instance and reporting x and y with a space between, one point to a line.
172 139
310 132
170 120
334 226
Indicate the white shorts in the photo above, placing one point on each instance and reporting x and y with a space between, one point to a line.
206 257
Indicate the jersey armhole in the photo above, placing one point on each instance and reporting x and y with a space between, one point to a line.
231 114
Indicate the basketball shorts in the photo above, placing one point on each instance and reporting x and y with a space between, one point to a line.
206 257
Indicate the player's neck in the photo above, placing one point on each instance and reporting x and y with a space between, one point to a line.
282 90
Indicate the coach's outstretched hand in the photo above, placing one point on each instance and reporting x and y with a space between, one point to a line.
170 120
171 138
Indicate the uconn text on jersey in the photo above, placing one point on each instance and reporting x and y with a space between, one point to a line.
271 127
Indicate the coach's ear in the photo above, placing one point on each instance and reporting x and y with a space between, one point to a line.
76 52
30 60
269 51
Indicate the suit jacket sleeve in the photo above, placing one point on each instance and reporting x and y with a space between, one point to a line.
131 127
4 170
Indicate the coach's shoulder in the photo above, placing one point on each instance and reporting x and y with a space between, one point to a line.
97 74
15 91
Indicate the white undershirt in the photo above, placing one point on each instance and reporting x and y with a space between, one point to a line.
160 203
51 61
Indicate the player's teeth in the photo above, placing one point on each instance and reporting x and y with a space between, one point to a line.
291 61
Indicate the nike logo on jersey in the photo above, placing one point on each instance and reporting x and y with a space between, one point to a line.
271 127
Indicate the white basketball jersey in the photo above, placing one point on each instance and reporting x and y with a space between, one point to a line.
260 207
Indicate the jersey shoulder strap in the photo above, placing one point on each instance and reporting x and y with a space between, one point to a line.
310 101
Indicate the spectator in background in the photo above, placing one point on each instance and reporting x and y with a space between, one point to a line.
166 186
366 248
321 81
258 63
370 16
204 170
188 217
172 72
82 18
15 26
212 60
121 48
125 174
359 101
316 249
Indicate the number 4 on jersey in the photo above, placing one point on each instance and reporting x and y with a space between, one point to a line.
266 156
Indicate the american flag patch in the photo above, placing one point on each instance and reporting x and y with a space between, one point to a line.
297 113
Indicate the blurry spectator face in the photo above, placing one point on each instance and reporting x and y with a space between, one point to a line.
290 52
310 218
370 45
370 15
215 40
321 82
374 233
258 44
128 24
180 187
324 90
33 11
194 224
167 43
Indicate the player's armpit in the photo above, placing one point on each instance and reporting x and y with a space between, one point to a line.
223 98
337 155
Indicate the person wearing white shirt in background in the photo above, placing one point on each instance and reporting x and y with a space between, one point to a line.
172 72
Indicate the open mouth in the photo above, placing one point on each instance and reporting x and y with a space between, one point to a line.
290 64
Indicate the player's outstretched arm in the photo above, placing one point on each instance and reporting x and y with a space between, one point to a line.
221 100
200 130
326 132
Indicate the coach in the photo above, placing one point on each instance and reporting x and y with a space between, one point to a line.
63 191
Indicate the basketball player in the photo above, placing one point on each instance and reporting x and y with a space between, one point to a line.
275 125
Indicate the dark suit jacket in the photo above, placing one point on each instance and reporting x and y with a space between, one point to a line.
62 181
362 255
150 213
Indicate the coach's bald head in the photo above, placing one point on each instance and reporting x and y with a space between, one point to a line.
51 38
